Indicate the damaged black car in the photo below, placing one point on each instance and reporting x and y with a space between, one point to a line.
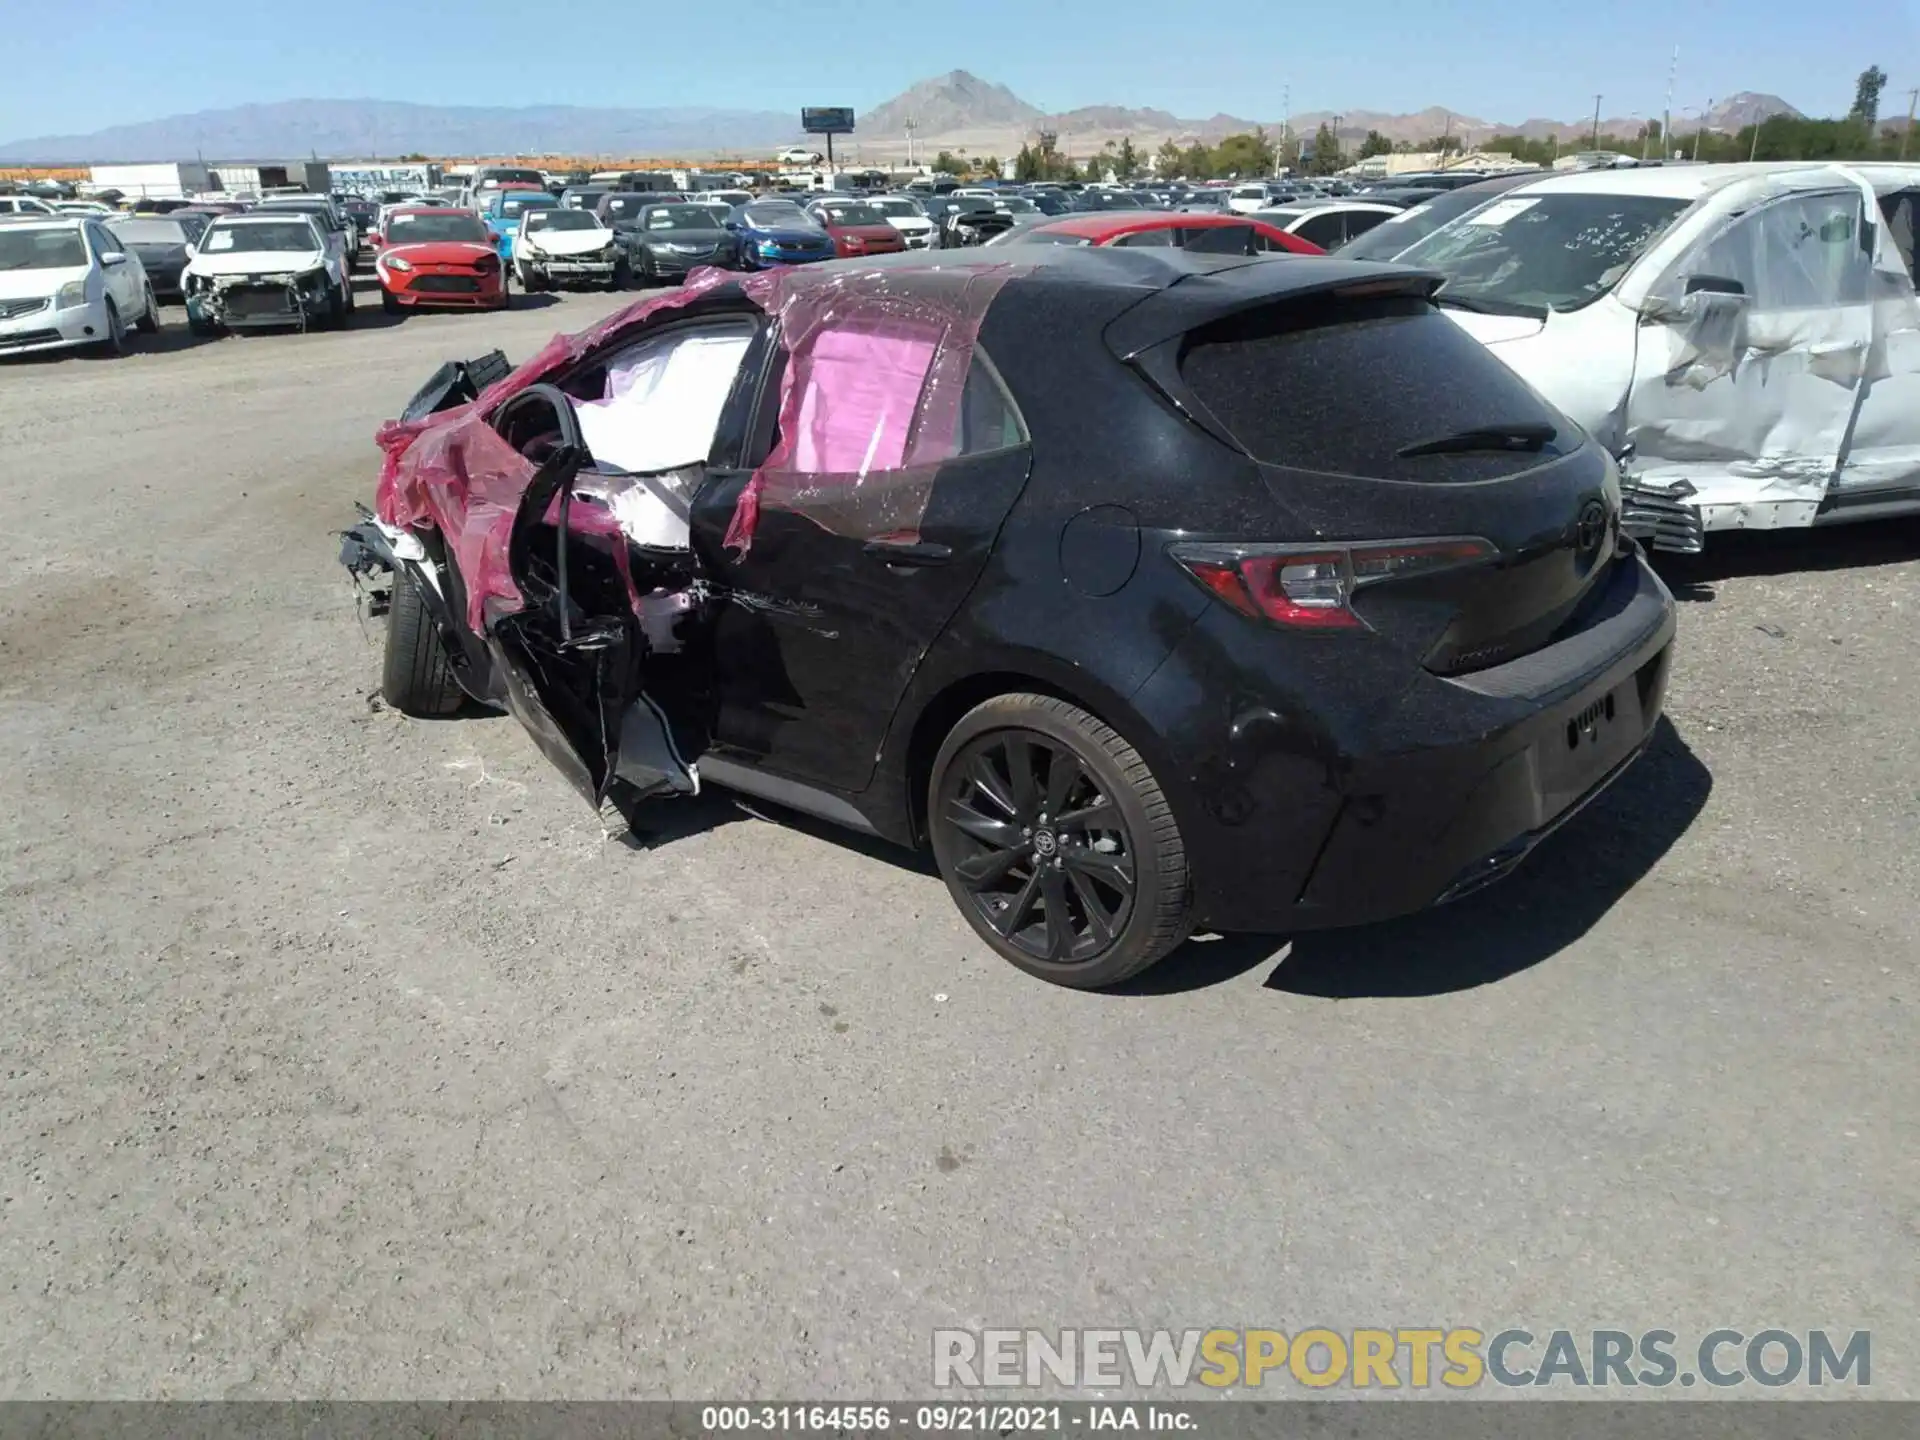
1152 591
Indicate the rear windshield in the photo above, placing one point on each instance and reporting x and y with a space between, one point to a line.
1343 386
841 214
1527 254
149 232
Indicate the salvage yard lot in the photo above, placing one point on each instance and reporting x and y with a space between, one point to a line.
349 1055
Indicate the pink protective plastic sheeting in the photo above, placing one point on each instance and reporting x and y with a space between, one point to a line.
877 360
452 472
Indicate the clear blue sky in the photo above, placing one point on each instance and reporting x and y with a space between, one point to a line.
75 68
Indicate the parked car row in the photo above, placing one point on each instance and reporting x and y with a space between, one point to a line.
1745 338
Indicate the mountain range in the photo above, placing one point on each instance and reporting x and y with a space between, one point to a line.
957 110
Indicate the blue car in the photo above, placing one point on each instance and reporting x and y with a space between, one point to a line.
502 213
777 232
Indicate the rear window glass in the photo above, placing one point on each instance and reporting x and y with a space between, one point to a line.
1342 386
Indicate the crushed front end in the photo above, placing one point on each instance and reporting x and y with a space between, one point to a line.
238 302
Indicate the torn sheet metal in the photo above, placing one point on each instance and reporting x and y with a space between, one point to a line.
870 398
450 471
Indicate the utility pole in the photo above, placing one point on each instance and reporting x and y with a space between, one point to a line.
1913 99
1700 127
912 125
1596 122
1753 150
1286 123
1666 116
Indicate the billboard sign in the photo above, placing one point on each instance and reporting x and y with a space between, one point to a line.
827 120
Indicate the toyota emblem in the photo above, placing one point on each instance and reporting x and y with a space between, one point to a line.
1591 529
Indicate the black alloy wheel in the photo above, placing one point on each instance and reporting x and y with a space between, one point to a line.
1056 842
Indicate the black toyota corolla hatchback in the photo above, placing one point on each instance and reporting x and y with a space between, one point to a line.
1152 591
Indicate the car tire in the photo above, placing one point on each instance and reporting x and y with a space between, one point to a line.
115 341
149 323
1119 873
622 276
198 324
389 303
416 677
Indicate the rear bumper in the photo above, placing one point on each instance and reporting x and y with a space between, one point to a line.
1301 814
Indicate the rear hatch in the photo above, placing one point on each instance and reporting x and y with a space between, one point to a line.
1372 417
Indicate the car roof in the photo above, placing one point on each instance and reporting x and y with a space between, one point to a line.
429 210
1104 224
27 219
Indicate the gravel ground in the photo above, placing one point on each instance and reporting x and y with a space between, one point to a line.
348 1055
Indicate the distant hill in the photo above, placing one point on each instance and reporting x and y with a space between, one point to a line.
945 105
1736 112
956 110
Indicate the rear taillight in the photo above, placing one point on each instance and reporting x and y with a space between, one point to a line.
1311 587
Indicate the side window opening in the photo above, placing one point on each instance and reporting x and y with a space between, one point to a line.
656 404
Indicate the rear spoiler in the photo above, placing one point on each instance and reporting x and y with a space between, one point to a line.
1200 299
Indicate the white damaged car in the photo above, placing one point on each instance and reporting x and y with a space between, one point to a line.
66 281
1747 334
556 247
265 269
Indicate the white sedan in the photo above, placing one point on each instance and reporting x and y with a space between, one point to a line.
65 281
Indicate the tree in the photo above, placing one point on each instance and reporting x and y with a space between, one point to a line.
1126 160
1866 96
1244 155
1027 165
989 165
1375 144
1326 151
1196 163
949 163
1168 159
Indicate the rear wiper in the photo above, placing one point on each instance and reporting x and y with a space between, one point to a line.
1525 435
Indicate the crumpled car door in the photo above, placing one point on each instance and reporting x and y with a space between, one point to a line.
573 661
1752 348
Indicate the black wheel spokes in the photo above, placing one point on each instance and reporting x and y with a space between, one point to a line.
1044 850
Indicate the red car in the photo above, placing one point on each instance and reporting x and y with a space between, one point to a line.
438 256
1217 234
857 228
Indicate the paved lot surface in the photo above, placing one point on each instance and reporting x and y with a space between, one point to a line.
348 1055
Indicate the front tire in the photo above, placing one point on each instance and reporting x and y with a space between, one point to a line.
149 323
115 342
1057 843
416 677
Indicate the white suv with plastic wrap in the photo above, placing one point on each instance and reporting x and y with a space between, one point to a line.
1747 334
66 281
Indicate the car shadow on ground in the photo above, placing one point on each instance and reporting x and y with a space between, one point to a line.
1740 554
1560 892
